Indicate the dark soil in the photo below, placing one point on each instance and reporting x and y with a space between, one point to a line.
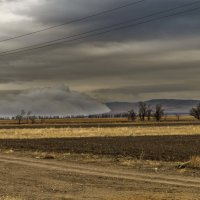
161 148
99 124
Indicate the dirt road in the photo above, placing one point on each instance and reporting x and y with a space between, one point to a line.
29 178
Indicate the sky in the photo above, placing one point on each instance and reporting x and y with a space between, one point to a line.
155 60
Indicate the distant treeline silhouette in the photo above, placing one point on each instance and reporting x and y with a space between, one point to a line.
146 112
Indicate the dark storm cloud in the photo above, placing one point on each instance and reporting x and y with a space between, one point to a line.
135 62
56 12
53 12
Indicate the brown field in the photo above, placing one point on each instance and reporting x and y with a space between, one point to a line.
164 143
68 120
86 161
160 148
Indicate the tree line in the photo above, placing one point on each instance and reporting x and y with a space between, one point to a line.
145 112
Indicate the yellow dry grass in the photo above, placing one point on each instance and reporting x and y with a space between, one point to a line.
195 162
98 132
9 198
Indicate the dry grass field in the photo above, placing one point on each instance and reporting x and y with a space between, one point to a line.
29 133
164 143
152 150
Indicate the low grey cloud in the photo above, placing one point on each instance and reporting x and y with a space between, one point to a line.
138 92
49 102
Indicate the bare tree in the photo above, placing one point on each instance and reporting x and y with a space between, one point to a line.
142 110
132 115
149 112
28 116
33 119
159 112
195 112
42 120
20 116
178 116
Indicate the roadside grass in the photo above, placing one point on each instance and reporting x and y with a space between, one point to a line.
103 160
195 162
10 198
98 132
126 161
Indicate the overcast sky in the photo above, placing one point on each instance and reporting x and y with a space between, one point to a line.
160 59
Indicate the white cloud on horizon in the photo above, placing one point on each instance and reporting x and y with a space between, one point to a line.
50 102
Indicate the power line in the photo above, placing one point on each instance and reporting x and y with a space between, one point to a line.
126 26
76 20
47 44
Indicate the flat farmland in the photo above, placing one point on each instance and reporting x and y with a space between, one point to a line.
161 148
136 161
168 143
115 131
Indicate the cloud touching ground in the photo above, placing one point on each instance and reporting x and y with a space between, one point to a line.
60 101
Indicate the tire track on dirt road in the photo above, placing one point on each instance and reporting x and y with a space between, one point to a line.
98 171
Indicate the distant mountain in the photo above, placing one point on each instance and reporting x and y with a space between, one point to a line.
171 106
